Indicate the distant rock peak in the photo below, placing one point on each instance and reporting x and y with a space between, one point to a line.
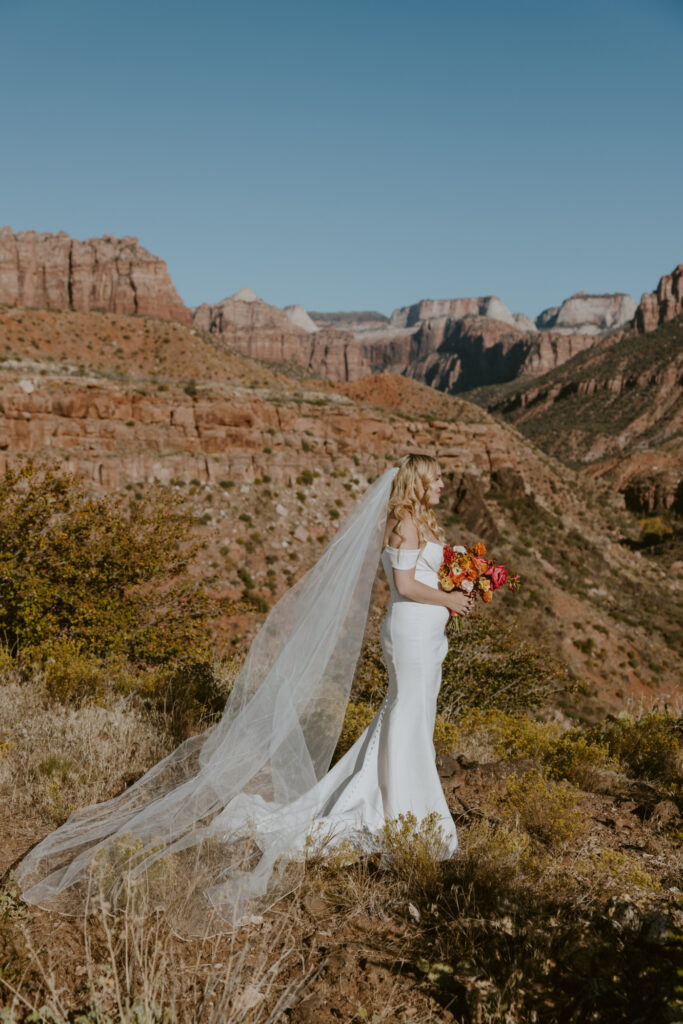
455 309
582 313
300 318
246 295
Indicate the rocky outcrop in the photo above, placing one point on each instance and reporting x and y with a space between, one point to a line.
298 316
588 314
251 326
112 274
115 434
664 304
454 309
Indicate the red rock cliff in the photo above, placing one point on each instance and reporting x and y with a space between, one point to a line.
666 303
113 274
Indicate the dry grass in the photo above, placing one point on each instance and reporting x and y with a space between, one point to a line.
132 969
55 757
400 935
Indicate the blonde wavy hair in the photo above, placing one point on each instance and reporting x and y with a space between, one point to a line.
408 497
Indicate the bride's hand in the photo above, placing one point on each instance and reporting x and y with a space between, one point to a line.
459 602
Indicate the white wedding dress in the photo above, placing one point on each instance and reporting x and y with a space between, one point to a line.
218 828
391 768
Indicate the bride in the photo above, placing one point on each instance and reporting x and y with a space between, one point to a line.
219 827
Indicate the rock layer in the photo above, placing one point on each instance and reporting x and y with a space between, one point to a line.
664 304
588 314
455 309
251 326
113 274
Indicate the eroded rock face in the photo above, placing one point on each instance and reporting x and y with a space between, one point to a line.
455 309
253 327
459 355
113 434
588 314
113 274
664 304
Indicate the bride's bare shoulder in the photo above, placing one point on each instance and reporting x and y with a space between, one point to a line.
407 538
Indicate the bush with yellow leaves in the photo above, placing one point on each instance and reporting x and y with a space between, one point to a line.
414 850
106 574
498 859
648 746
548 810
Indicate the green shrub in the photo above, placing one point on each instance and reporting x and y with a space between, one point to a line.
86 567
356 719
496 859
446 735
246 577
654 530
413 849
612 873
492 665
577 759
71 675
647 746
545 809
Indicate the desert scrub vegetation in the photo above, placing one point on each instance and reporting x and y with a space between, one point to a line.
132 969
649 745
56 758
108 575
549 810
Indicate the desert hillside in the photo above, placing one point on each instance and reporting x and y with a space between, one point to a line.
265 459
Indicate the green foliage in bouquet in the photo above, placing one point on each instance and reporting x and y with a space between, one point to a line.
106 575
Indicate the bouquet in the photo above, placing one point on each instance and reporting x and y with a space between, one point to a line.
468 570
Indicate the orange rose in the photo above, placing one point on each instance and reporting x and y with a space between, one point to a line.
487 596
445 579
478 548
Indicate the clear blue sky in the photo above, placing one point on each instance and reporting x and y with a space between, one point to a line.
354 155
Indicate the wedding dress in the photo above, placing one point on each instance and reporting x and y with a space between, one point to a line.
391 769
223 825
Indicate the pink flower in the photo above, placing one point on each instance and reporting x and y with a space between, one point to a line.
499 575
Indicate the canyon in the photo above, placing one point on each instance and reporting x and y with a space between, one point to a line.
451 344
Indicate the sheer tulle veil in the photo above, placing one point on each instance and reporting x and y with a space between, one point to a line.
217 828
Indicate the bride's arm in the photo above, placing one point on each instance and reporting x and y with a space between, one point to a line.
412 589
408 586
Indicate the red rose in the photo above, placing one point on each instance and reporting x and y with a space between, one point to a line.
499 576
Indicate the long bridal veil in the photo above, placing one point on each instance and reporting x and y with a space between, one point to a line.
214 829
